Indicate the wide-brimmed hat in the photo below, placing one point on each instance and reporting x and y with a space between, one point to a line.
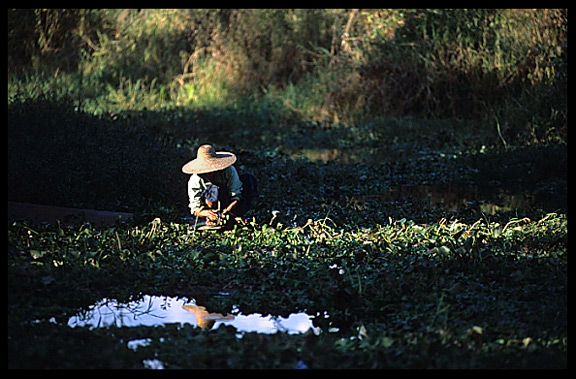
209 160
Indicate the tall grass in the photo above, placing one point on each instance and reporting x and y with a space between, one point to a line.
505 67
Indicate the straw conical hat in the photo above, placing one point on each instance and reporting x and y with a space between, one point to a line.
209 160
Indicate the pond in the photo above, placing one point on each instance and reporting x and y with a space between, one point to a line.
160 310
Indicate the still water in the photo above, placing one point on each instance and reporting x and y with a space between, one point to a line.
160 310
486 199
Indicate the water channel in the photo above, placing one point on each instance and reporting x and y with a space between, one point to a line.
485 199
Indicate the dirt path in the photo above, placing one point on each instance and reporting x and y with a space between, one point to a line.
45 213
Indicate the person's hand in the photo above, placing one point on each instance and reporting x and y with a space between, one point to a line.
211 215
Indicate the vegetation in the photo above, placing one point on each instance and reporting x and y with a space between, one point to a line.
502 67
331 109
449 294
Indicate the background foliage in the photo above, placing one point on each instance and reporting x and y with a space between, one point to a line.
332 66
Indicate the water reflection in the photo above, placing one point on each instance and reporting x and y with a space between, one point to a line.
453 197
372 155
160 310
325 155
204 319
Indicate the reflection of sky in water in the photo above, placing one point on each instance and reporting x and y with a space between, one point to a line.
159 310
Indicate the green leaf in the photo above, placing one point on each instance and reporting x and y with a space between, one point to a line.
387 342
37 254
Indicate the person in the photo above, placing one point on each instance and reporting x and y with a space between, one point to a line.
215 190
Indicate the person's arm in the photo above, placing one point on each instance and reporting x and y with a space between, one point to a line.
210 214
195 189
234 187
229 208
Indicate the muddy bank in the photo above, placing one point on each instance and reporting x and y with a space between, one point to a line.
44 213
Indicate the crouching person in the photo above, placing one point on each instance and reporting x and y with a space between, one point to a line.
217 194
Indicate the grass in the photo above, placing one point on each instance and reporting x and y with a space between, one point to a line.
502 67
404 284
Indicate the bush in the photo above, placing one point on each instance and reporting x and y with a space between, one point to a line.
503 67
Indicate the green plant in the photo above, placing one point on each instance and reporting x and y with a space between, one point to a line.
327 66
393 281
425 290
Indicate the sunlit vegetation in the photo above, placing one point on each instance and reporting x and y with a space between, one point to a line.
412 167
506 68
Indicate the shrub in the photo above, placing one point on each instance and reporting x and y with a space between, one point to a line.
507 68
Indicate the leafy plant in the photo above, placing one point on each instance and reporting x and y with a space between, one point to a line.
435 292
326 66
304 98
